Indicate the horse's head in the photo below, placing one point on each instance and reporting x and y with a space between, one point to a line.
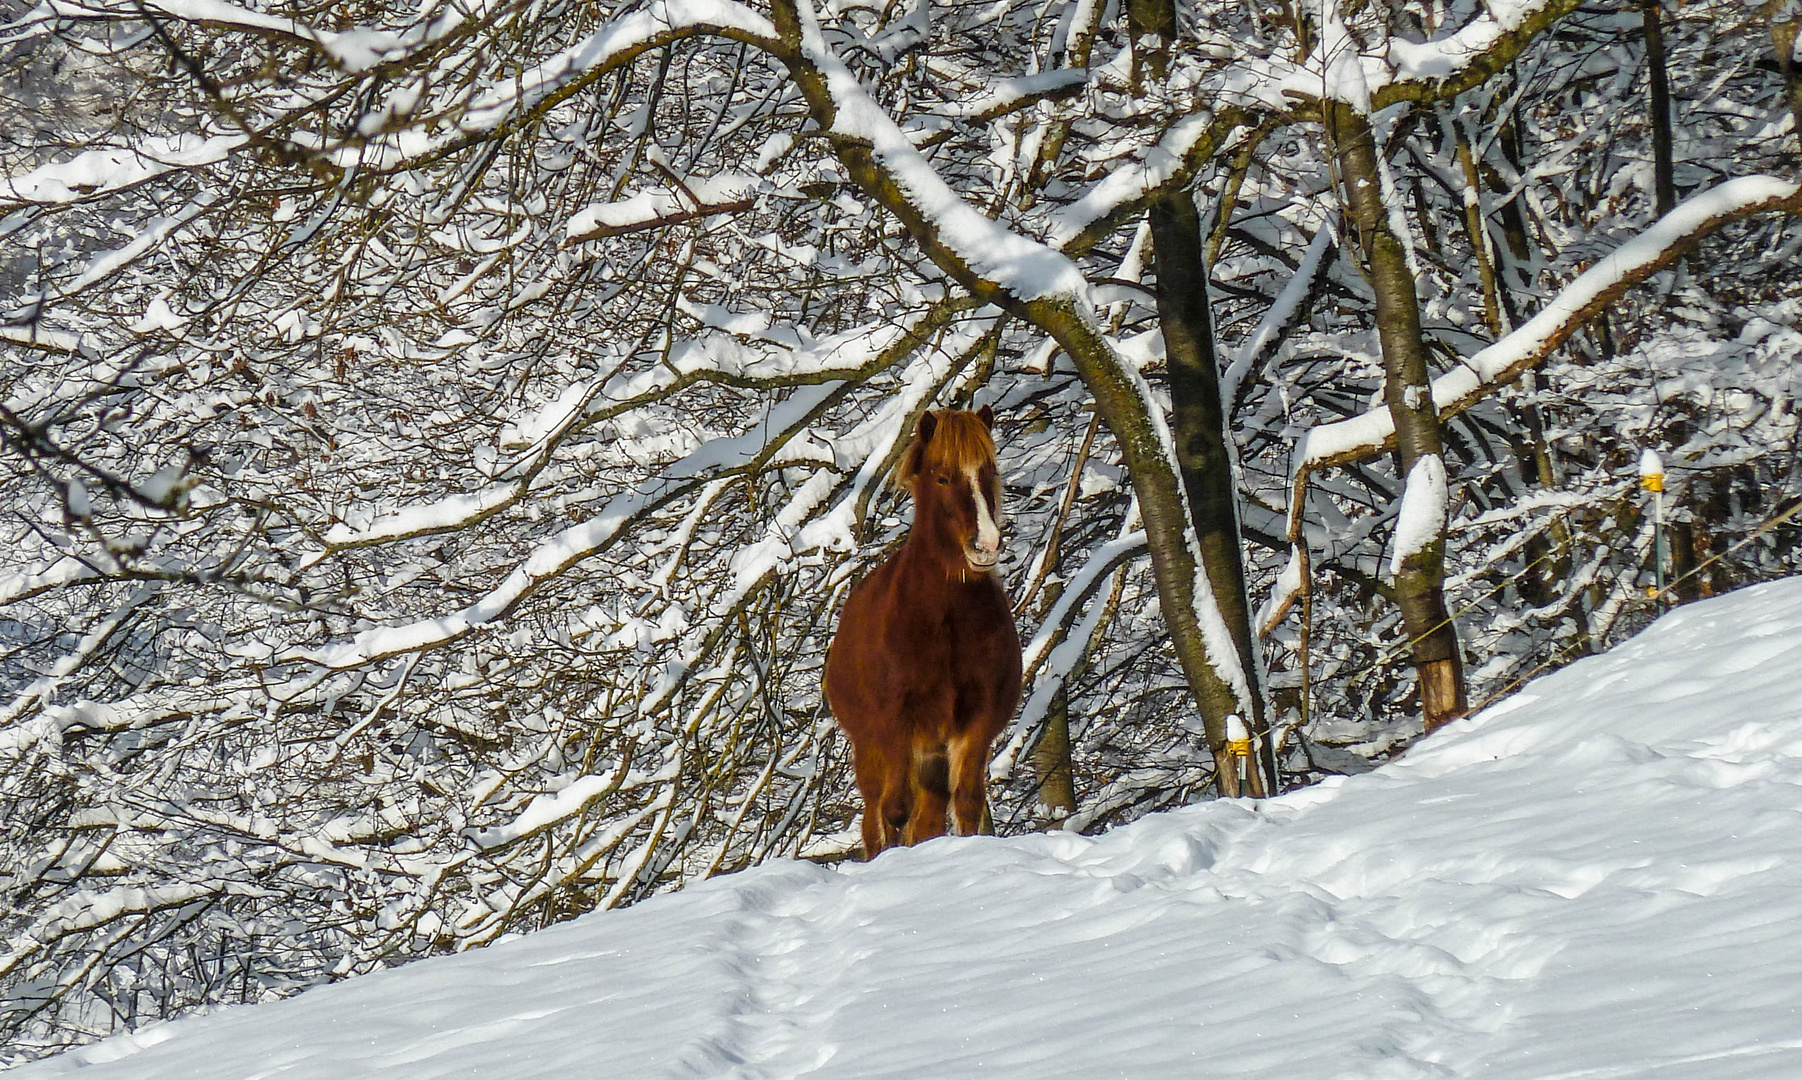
957 490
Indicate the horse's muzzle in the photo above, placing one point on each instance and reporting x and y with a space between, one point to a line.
981 560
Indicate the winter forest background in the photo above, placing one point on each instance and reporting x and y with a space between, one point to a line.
435 440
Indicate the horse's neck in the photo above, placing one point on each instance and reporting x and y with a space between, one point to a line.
927 548
932 567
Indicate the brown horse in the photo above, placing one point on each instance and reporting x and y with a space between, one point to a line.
925 669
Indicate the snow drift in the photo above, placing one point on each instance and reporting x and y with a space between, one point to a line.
1599 877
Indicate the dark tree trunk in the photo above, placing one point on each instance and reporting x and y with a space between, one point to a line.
1514 256
1663 172
1051 767
1682 538
1198 426
1478 231
1420 582
1785 22
1152 26
1126 412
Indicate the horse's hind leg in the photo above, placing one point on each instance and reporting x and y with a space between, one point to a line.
969 783
932 791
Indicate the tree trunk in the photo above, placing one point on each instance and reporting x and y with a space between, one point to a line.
1127 412
1663 174
1479 235
1152 27
1786 20
1056 799
1198 426
1681 535
1420 579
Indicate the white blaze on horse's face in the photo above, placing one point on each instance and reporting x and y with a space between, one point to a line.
985 549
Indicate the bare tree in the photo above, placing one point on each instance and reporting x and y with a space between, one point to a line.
435 440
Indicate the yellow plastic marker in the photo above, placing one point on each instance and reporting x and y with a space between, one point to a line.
1651 477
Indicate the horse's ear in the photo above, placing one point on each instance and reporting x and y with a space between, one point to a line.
987 416
929 423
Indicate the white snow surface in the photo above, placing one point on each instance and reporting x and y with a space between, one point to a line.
1600 876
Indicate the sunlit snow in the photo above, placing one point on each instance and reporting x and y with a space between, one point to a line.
1600 876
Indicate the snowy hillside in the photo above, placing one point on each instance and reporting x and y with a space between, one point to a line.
1600 877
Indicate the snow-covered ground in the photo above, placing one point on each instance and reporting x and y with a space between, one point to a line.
1599 877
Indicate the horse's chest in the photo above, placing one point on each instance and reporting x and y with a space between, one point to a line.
961 638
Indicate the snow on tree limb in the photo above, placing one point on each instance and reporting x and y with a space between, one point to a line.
44 688
1047 289
1453 62
1433 71
1076 590
218 14
758 449
850 357
1499 364
629 35
1053 635
656 208
1222 654
1196 628
573 545
52 574
1125 192
94 173
1011 94
96 907
1280 313
499 109
1420 520
41 338
107 263
984 251
1449 63
550 808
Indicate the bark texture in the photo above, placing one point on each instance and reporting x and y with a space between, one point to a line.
1420 583
1127 413
1786 21
1152 24
1051 764
1658 73
1198 426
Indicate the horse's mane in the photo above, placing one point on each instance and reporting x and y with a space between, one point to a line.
959 440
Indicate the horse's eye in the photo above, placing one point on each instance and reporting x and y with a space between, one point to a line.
944 481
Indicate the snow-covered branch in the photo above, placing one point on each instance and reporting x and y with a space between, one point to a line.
445 434
1575 305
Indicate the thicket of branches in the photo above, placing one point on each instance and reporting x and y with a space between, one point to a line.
436 442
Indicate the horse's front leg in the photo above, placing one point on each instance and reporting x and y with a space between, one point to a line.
932 791
896 804
871 767
969 760
882 780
